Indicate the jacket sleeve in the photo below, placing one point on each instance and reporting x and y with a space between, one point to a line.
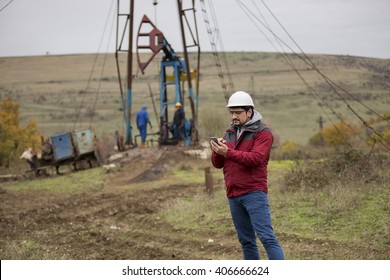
258 154
218 161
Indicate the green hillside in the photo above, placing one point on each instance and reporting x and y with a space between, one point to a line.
52 89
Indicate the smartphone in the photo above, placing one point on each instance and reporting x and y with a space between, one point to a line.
215 139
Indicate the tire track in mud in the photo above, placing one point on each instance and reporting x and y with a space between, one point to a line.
115 224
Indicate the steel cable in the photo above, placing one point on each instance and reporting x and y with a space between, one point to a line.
309 62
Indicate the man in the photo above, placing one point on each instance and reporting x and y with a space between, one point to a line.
142 122
243 153
31 157
178 123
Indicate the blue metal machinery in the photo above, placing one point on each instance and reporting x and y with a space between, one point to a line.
181 74
170 60
67 148
72 145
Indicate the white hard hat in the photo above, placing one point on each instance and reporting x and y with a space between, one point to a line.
240 99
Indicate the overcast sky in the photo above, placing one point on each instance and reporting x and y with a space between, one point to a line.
346 27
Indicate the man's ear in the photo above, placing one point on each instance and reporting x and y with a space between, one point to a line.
250 111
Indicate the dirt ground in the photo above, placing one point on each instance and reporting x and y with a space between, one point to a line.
121 223
114 223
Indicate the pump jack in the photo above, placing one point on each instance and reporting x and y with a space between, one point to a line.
181 70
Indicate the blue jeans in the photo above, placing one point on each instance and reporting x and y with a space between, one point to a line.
178 132
143 132
251 216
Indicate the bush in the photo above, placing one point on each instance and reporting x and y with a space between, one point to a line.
346 167
308 176
290 150
353 165
337 135
14 138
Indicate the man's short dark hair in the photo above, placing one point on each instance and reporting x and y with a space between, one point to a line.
246 108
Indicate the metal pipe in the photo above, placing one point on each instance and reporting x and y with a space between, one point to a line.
129 140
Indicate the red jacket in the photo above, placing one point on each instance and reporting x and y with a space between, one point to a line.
245 163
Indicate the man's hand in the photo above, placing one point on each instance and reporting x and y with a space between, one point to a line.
219 148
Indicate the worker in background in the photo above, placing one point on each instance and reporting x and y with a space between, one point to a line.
243 153
142 124
119 141
178 124
31 157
